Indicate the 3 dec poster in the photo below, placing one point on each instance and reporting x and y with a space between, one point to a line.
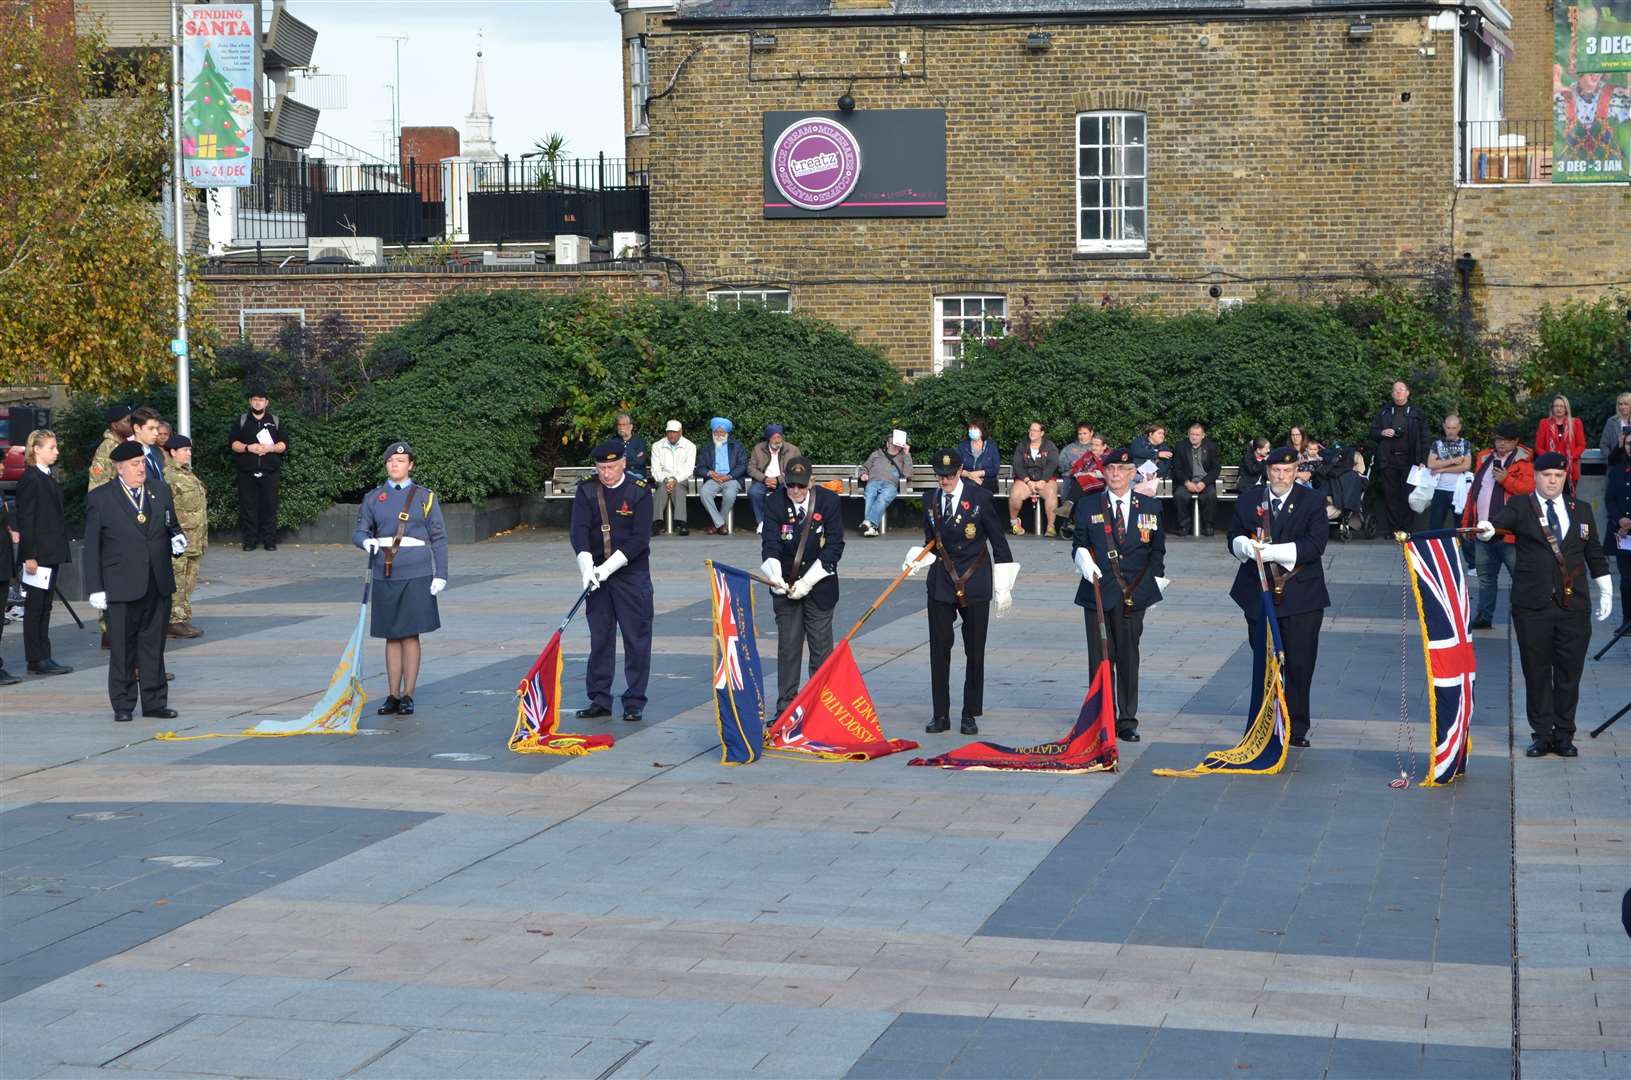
218 43
1591 92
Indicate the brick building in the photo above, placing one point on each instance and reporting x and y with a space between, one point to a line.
1183 152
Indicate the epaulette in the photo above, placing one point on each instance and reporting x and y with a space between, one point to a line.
640 483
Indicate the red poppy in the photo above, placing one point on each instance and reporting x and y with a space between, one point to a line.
816 517
382 496
965 504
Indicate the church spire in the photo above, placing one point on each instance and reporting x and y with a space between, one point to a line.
478 142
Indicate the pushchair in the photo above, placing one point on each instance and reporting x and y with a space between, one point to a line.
1345 475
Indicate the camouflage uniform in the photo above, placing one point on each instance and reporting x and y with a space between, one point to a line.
192 514
102 462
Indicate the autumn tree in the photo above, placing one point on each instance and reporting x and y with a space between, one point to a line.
87 278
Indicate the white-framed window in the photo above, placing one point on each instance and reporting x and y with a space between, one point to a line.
639 83
981 317
1112 167
779 300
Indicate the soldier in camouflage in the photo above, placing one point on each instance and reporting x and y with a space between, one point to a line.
118 432
192 514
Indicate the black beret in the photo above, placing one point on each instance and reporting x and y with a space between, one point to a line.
398 447
127 450
1281 455
255 389
119 410
178 442
1551 461
610 450
947 463
1508 430
1119 456
798 471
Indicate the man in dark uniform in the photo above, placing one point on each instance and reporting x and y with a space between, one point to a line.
131 534
258 445
802 542
1285 521
1400 432
964 578
1118 541
1558 547
611 533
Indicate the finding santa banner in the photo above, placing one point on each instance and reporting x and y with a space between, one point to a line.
833 718
218 43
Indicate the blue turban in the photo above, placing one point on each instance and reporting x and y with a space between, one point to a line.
721 422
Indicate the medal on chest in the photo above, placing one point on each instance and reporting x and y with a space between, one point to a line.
969 531
138 502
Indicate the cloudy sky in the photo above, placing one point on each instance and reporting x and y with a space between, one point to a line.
552 65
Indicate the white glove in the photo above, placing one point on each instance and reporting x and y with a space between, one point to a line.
408 542
611 566
913 564
1003 576
1162 583
437 585
772 569
1486 531
1605 597
99 601
586 567
371 545
810 579
1245 548
1284 554
1086 566
178 544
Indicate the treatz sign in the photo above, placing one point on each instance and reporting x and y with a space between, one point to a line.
813 164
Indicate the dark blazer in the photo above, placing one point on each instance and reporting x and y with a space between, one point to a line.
8 554
988 461
1142 553
780 540
733 449
1617 497
637 454
1252 471
40 520
1537 582
121 554
628 505
955 550
1303 523
1413 440
1182 457
1143 450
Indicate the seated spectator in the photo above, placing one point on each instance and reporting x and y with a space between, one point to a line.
1297 438
765 467
981 459
673 461
721 465
635 451
1036 467
1080 474
1152 446
1447 460
882 473
1195 478
1310 461
1254 466
1071 451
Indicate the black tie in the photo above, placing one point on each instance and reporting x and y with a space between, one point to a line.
1552 522
1278 503
945 507
1121 523
799 515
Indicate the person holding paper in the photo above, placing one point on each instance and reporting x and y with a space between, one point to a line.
258 445
1617 501
1400 432
1449 460
882 473
42 544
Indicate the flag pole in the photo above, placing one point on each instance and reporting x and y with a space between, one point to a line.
570 615
878 603
1103 627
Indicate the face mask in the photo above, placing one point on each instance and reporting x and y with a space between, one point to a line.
974 433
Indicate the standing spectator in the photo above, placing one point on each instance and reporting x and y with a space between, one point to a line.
8 560
982 461
1152 447
1561 432
1035 464
1617 502
118 417
1617 424
882 473
766 464
1196 466
42 544
145 426
1400 433
722 466
1449 458
635 450
1254 466
1503 473
258 444
673 460
192 512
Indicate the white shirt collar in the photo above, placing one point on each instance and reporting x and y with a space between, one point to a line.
614 487
956 495
46 469
804 506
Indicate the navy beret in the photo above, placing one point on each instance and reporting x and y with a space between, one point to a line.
398 447
1281 455
119 410
1551 461
947 463
610 450
125 451
1119 456
178 442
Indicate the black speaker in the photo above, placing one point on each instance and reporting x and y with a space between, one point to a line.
26 418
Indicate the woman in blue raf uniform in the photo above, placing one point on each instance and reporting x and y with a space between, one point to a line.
611 533
963 579
802 543
400 524
1284 520
1118 540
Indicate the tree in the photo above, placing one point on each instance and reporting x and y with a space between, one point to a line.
209 130
552 149
87 279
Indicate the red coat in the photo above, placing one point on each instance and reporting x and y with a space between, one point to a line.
1520 480
1571 445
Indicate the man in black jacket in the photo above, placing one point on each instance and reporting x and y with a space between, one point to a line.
131 533
8 559
802 542
1400 434
258 445
1195 470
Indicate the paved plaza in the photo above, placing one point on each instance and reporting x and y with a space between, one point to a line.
415 901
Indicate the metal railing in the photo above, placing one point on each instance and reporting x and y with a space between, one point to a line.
1505 151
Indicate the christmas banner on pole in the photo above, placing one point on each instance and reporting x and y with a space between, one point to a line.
218 44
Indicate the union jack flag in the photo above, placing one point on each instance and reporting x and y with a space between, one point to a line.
1440 584
739 699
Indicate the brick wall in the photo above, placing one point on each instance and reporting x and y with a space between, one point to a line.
1529 72
377 303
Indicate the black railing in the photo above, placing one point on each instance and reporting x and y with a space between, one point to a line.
1505 151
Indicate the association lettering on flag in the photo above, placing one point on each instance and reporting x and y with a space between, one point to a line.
1090 745
1439 582
833 717
739 697
538 711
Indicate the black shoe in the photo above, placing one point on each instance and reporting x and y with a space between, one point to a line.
391 707
937 725
1565 749
121 718
1539 748
161 714
249 545
682 528
1209 532
631 716
48 667
657 529
1127 735
269 546
968 726
404 706
1479 623
594 712
1301 741
7 678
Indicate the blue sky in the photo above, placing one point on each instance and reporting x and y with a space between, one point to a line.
552 65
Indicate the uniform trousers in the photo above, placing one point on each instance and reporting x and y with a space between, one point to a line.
1552 645
186 571
37 622
1124 629
798 622
624 603
1300 635
136 639
942 621
257 507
